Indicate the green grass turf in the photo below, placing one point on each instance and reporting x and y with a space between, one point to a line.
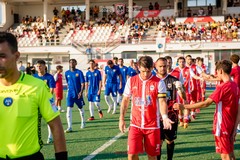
194 143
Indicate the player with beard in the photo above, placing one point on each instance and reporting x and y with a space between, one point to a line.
172 95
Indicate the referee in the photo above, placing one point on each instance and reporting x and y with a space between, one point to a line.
24 101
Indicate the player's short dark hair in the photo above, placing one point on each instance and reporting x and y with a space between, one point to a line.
161 59
168 57
225 65
115 58
10 39
41 62
198 58
179 58
120 59
91 60
109 62
235 58
74 60
146 62
188 56
58 67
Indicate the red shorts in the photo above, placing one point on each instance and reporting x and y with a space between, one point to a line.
150 138
199 93
224 145
194 96
58 94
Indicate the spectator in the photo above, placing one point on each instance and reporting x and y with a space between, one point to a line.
156 6
150 6
210 9
201 12
21 67
73 12
30 69
95 11
55 12
189 12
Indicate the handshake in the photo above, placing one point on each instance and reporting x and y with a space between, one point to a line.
179 86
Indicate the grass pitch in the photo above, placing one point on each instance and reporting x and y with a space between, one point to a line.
194 143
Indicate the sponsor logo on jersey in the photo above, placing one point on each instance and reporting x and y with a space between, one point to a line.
114 70
8 101
135 87
138 101
9 91
95 74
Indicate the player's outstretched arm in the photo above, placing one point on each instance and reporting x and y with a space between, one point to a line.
203 104
59 138
123 111
236 123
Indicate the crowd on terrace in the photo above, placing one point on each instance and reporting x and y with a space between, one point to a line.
33 30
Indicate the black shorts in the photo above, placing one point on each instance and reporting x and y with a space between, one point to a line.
35 156
167 134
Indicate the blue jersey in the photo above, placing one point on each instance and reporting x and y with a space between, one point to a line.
93 79
48 79
112 74
154 71
124 71
74 81
131 72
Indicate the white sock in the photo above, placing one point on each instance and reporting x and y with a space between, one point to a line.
91 109
98 106
119 98
50 136
238 127
59 108
108 101
81 111
69 117
114 104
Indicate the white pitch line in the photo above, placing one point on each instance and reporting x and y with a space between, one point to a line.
104 146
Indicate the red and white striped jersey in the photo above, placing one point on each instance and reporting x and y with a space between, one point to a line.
185 72
145 109
226 96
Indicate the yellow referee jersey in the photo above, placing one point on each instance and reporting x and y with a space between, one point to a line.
21 107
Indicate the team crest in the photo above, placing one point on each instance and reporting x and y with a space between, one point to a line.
95 74
169 85
152 87
77 74
8 101
120 9
114 70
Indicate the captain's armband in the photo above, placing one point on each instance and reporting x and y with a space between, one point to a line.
162 95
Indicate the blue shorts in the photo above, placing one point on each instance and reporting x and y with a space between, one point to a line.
111 88
79 102
93 98
120 91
